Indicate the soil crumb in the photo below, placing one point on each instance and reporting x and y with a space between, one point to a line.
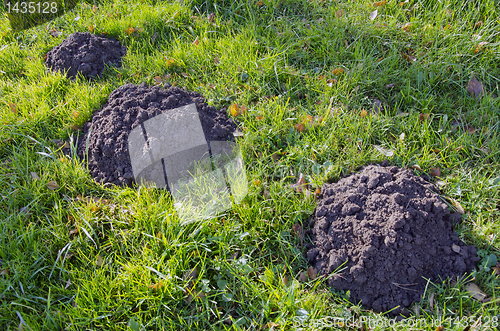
393 230
85 54
103 144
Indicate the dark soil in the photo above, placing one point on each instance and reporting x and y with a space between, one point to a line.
129 106
85 54
393 231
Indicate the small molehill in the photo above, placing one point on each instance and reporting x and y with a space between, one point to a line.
85 54
392 231
103 144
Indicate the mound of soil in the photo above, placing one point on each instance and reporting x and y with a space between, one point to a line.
86 54
393 231
127 107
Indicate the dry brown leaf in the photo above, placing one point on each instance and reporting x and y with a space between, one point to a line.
338 71
475 88
435 172
478 24
303 277
157 286
406 27
480 46
497 269
129 31
34 176
475 292
190 276
234 109
457 206
52 185
13 107
68 284
330 82
379 3
424 117
416 167
158 79
99 261
470 129
256 182
300 184
4 271
299 232
373 14
243 109
55 33
440 328
312 272
196 41
91 28
286 280
339 13
299 127
363 113
455 248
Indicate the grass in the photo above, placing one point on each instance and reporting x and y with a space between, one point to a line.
86 257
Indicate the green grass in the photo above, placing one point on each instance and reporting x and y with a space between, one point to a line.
127 266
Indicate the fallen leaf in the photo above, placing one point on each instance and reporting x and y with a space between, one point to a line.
480 46
376 106
158 79
497 269
338 71
286 280
299 127
34 176
170 63
234 109
478 24
379 3
330 82
373 14
68 284
91 28
384 151
99 261
416 167
303 277
129 31
470 129
406 27
13 107
299 186
312 272
435 172
339 13
475 88
157 286
424 117
55 33
440 328
363 113
475 292
243 109
299 232
4 271
455 248
211 17
457 206
259 118
196 41
256 182
52 185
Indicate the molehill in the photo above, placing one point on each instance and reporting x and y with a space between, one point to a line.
85 54
103 144
386 231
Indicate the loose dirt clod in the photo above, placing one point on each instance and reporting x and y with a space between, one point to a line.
104 140
86 54
392 231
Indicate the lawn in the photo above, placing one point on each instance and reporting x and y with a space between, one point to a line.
328 86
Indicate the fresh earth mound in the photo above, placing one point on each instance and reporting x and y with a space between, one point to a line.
393 231
127 107
86 54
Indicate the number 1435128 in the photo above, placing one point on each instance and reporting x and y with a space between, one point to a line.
31 7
